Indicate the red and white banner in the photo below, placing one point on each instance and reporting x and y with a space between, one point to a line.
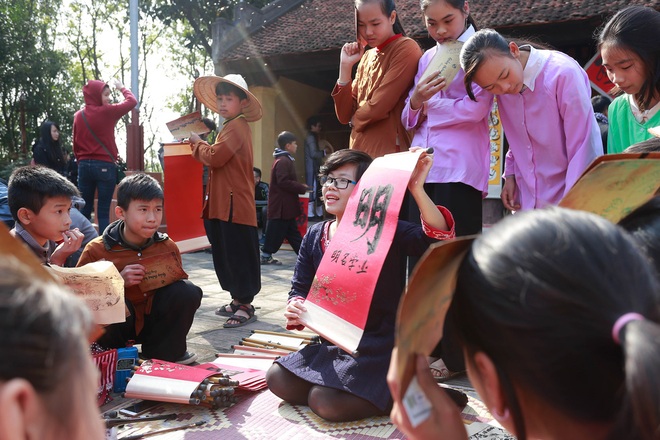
339 300
598 75
183 198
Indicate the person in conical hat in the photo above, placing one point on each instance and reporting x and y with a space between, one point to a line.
229 199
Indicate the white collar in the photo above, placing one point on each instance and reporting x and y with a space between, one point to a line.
532 68
467 34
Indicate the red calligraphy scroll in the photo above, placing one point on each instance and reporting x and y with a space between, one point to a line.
183 198
339 300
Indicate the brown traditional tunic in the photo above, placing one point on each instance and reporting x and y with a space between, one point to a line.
231 180
374 100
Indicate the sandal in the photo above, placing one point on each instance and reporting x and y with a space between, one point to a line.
222 311
242 320
440 371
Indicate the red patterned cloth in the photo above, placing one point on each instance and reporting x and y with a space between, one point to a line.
106 362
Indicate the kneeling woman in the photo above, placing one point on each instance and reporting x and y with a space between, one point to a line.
336 386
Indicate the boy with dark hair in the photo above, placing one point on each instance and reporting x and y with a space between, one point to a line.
283 203
159 318
39 201
229 204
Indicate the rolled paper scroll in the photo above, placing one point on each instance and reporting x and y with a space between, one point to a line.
446 60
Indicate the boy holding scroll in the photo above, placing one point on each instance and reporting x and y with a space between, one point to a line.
160 299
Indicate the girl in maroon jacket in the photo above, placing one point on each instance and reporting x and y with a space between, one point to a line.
95 148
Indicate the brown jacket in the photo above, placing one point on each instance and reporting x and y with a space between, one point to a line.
111 247
231 180
374 100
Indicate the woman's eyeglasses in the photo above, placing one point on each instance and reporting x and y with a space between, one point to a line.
338 182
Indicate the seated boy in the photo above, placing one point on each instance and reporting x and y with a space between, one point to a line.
40 200
159 319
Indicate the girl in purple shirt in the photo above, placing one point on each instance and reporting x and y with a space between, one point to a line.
445 118
545 107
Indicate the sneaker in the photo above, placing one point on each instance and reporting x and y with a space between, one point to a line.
187 358
269 260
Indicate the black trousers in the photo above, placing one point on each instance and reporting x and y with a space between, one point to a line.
277 230
465 204
165 328
235 250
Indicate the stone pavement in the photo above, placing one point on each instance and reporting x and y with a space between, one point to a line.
207 336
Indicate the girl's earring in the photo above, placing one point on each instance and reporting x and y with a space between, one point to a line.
501 417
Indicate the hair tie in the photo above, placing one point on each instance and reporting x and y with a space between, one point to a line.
621 322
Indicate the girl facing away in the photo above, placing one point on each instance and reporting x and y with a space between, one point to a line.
631 56
372 102
335 385
446 119
576 354
544 100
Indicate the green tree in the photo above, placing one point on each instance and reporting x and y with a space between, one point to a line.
198 15
34 80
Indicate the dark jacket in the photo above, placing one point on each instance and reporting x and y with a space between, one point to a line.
283 201
48 152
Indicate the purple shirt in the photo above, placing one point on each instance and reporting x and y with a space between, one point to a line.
456 127
551 128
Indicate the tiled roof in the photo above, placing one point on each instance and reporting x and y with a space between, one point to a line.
318 25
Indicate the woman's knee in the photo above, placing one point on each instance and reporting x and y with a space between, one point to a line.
286 385
326 403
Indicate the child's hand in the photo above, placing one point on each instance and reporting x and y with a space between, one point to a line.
509 193
421 171
351 54
193 139
71 242
444 420
425 89
292 313
133 274
118 84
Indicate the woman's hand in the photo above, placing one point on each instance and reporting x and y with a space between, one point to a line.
444 420
421 171
509 194
133 274
350 54
425 89
292 313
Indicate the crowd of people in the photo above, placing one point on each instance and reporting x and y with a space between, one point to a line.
542 281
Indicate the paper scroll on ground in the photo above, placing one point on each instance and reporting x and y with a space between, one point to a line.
340 296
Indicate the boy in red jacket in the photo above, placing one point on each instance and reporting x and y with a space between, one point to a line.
283 202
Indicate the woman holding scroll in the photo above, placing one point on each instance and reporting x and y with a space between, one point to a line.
335 385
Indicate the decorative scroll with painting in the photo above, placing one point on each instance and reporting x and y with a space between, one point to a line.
615 184
339 300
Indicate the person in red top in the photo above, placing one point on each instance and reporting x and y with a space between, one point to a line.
95 148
